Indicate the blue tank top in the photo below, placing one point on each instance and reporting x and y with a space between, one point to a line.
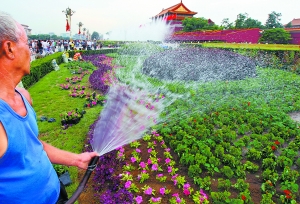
26 173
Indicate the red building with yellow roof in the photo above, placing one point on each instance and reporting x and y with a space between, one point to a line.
176 13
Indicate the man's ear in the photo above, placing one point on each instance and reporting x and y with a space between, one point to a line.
8 47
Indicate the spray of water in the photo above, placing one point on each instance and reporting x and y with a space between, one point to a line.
127 115
156 30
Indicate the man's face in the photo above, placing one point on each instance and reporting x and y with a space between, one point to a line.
22 52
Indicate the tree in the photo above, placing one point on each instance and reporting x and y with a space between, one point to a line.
240 21
193 24
95 35
243 21
252 23
275 36
289 25
226 24
273 20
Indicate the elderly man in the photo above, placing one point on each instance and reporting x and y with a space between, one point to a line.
26 171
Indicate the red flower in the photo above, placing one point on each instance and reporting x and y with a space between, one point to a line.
273 148
277 142
288 196
287 192
243 197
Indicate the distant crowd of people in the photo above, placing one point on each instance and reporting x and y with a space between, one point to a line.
44 47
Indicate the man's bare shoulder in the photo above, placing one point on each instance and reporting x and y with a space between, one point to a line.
3 140
25 93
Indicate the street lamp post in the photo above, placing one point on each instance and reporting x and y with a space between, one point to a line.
69 13
80 24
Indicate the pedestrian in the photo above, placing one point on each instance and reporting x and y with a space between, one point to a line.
26 171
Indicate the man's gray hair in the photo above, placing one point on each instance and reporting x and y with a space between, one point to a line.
8 28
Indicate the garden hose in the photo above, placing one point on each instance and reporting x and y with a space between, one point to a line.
92 165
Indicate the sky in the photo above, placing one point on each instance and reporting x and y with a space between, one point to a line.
45 16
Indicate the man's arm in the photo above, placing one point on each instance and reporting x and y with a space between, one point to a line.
58 156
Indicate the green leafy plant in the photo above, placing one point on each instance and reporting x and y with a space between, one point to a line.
241 185
224 184
228 172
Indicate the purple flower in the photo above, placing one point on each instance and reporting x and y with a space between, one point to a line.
167 160
169 169
149 150
138 150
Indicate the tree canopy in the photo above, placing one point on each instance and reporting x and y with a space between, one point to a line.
273 20
194 24
95 36
243 21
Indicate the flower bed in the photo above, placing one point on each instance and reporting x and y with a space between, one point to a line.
234 140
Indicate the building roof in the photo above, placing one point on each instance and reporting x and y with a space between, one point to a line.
295 22
179 8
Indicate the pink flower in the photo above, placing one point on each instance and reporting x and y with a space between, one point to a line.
149 150
127 184
154 167
175 195
153 132
142 165
167 160
162 191
178 200
169 169
133 159
155 199
186 192
160 175
148 191
138 150
149 161
186 186
167 149
158 159
139 199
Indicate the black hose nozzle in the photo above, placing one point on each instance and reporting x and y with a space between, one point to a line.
92 165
